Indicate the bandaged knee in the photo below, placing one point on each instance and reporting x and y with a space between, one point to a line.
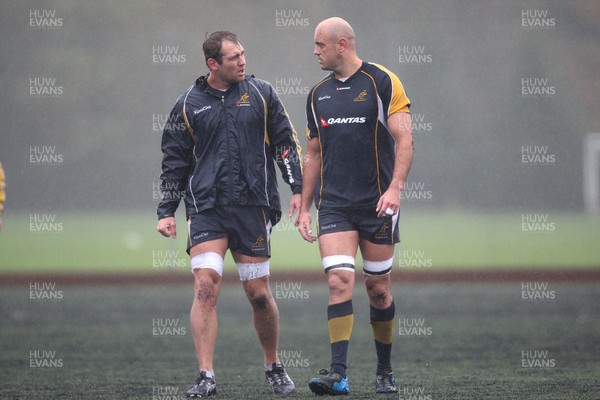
377 267
208 260
249 271
339 262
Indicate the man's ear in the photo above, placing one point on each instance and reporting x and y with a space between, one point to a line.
342 44
212 64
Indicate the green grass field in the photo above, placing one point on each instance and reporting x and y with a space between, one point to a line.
129 243
100 342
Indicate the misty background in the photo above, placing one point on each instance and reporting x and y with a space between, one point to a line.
502 93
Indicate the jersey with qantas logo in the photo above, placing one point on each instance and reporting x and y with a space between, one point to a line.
349 118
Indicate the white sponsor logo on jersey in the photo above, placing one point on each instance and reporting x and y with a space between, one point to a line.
347 120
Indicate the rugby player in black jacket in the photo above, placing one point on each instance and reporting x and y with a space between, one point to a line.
220 146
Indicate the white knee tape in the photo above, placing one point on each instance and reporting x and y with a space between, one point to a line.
208 260
249 271
377 267
331 262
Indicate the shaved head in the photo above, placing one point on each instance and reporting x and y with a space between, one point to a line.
335 47
336 28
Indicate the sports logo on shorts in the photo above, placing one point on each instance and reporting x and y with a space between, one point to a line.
244 101
200 235
259 244
328 227
384 231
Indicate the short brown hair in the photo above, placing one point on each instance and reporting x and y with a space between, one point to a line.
212 44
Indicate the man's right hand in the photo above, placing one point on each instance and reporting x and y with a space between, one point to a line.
166 227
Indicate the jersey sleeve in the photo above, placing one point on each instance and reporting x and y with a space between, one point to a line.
392 93
400 102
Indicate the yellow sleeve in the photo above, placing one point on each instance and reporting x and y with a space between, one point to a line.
399 102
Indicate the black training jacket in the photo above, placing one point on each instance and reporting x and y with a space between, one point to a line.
220 149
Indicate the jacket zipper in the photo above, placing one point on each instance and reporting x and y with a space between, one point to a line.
229 164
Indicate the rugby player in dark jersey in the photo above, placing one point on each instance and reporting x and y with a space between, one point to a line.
359 153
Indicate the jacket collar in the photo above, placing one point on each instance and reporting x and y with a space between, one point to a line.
202 82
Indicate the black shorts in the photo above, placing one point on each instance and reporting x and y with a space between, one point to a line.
247 227
364 220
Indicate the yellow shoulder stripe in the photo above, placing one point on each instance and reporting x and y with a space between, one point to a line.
399 101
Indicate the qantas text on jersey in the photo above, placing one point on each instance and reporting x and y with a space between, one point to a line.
349 120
